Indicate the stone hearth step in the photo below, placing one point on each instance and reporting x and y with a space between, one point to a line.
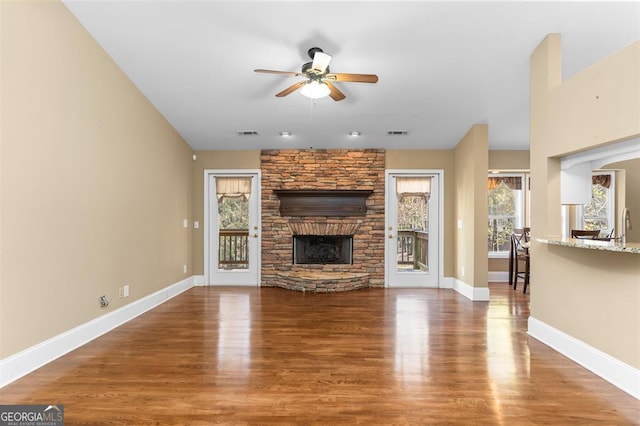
322 282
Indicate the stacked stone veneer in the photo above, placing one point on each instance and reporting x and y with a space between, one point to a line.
332 169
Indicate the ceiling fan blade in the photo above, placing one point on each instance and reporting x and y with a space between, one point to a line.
335 94
291 88
320 61
292 73
354 78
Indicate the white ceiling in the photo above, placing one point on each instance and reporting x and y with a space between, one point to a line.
443 66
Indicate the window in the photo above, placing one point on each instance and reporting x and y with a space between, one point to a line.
599 214
506 210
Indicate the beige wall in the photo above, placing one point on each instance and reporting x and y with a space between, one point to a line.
437 160
218 160
471 158
507 160
95 183
593 296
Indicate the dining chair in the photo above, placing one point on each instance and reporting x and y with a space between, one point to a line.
520 255
521 234
584 234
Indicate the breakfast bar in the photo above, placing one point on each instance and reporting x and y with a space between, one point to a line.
592 244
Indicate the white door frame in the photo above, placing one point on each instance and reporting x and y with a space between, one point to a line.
208 173
440 225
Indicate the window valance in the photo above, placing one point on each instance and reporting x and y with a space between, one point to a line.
602 180
512 182
233 187
413 186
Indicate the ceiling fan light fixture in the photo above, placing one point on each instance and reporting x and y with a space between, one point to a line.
319 80
315 90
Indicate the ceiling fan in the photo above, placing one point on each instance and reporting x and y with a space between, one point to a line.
318 78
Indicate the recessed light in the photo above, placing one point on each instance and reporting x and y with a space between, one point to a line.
355 133
285 134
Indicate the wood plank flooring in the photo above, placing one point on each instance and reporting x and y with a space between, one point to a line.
374 356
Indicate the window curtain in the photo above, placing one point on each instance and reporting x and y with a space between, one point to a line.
233 187
413 186
512 182
602 180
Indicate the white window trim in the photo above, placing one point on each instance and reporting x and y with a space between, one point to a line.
611 201
521 205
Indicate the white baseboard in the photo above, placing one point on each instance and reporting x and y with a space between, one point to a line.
23 363
477 294
446 282
614 371
198 281
498 277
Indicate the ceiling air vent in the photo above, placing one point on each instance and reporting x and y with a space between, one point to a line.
247 133
397 132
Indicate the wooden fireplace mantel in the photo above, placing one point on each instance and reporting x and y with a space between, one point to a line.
302 202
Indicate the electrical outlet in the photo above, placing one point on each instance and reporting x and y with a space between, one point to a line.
462 271
104 302
184 269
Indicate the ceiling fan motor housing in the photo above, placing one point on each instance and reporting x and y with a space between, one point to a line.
307 68
312 52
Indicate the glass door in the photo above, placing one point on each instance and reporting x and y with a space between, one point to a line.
234 234
412 230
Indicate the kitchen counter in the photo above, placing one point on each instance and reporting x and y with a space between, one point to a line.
592 244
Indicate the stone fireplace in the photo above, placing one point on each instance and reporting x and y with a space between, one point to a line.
323 219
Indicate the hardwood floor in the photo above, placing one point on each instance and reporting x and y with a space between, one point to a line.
272 356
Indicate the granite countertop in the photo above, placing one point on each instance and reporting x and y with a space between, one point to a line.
592 244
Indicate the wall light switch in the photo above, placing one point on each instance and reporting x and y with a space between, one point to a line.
459 223
196 225
185 223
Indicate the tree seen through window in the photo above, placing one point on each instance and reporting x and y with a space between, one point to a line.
505 211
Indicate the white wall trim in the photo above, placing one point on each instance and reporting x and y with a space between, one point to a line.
199 281
441 201
611 369
30 359
208 246
446 282
476 294
498 276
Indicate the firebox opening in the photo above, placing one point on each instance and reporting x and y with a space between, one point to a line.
323 249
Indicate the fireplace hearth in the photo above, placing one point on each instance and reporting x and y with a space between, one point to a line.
322 249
